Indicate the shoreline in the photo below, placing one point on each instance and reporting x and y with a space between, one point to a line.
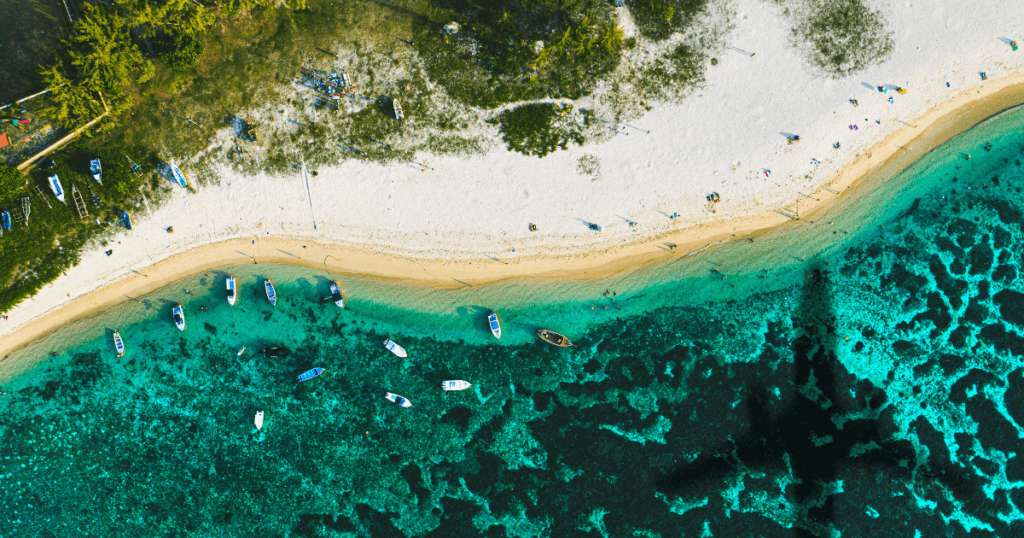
616 254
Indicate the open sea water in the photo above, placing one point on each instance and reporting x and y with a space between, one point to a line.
858 375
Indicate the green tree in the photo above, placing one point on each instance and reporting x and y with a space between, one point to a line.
12 183
185 17
180 51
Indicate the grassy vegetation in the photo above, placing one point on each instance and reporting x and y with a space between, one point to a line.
658 19
537 130
842 37
665 77
34 255
507 51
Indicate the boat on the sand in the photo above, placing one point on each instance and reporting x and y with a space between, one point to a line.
395 348
456 384
127 219
179 316
57 188
178 176
402 401
96 169
553 338
310 374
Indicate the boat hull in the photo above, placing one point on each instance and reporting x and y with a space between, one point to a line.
97 170
7 220
400 400
553 338
118 344
127 219
456 384
395 348
179 178
495 323
179 317
271 294
57 188
258 420
339 298
232 296
310 374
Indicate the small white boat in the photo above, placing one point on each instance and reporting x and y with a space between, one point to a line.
259 420
56 187
97 170
495 323
231 291
395 348
118 344
271 294
240 351
339 298
398 109
178 176
457 384
179 316
404 402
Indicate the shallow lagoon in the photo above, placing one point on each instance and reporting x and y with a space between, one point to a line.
870 384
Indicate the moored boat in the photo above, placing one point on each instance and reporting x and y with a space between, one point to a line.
400 400
275 352
97 170
310 374
231 290
553 338
271 294
127 219
258 420
179 316
398 109
395 348
495 323
456 384
339 298
57 188
178 176
118 344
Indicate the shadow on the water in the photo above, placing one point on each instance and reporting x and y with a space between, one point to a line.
813 433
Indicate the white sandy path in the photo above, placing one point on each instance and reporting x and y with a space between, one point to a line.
468 208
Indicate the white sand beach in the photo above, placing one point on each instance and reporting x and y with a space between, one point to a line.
427 223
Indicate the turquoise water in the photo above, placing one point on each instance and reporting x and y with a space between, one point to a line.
871 384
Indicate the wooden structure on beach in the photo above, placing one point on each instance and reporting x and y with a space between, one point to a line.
79 202
39 192
26 208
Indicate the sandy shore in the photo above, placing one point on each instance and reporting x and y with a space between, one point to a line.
881 162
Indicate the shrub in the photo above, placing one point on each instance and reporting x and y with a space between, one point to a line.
843 37
658 19
180 51
534 130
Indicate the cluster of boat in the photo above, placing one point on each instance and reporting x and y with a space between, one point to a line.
493 322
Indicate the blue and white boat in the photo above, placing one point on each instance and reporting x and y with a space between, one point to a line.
271 294
179 316
178 176
339 298
306 376
97 170
56 187
6 217
395 348
400 400
231 290
456 384
127 219
118 344
495 323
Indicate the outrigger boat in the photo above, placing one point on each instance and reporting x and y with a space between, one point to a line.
306 376
398 109
179 316
275 352
457 384
271 294
495 323
339 298
395 348
118 344
56 187
6 217
553 338
178 176
258 420
97 170
231 290
127 219
404 402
